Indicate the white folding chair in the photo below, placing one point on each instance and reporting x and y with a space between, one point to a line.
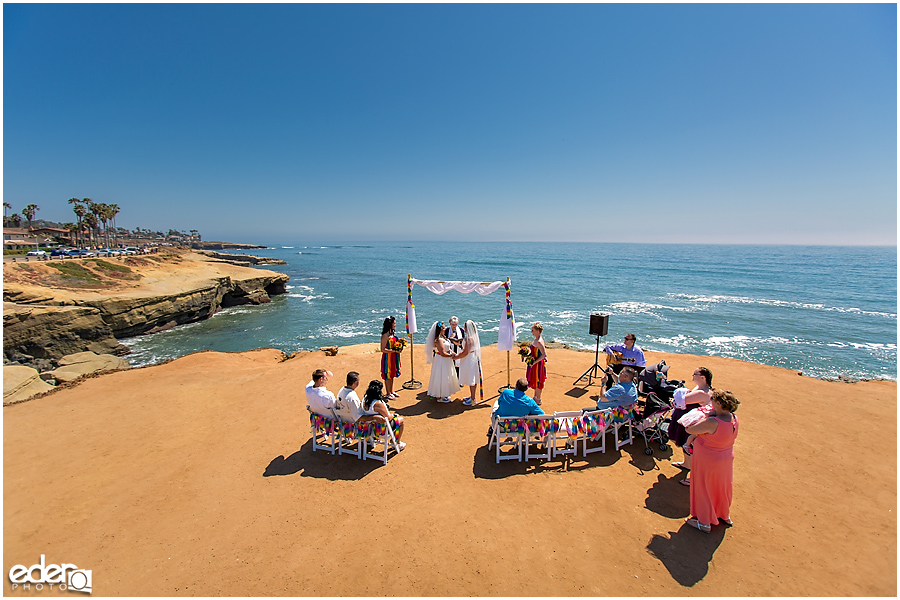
353 441
594 425
378 432
565 428
326 429
508 431
537 431
622 416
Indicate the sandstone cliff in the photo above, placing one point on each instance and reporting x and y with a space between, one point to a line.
50 332
82 305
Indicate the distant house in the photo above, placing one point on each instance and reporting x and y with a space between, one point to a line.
53 232
15 238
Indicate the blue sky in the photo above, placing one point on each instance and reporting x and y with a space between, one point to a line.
759 123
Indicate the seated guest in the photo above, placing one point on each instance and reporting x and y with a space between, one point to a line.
320 400
373 406
516 403
623 393
348 406
632 356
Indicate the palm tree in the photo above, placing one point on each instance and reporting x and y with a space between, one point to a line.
103 215
113 211
71 228
90 219
29 211
95 209
15 219
79 209
6 205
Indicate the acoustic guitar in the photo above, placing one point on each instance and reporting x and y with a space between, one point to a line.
613 359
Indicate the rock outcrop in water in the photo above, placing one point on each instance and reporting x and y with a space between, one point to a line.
242 259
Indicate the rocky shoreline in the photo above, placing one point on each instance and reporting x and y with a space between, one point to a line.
224 246
51 311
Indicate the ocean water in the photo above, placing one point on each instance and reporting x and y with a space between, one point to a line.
825 311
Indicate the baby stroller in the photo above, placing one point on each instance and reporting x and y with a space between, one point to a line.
653 425
653 379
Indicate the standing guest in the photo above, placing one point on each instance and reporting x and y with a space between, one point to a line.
390 358
469 362
536 372
374 407
699 396
515 402
456 336
443 382
320 400
632 356
713 468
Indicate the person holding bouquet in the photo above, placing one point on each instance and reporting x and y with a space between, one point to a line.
391 346
536 371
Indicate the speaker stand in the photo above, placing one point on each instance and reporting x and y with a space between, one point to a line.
591 373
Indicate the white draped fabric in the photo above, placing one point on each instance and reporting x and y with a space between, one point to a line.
466 287
506 337
411 317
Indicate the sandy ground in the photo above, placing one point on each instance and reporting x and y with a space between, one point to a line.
197 477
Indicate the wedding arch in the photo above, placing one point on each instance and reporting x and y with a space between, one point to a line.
506 337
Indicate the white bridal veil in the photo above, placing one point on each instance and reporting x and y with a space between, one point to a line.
472 337
429 342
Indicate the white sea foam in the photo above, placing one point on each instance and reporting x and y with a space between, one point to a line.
345 330
648 308
716 299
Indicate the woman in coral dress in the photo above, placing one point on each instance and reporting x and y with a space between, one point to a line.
712 465
443 382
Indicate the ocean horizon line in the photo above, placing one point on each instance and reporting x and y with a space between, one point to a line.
358 242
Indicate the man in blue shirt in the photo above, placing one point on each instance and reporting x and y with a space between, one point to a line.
515 403
623 393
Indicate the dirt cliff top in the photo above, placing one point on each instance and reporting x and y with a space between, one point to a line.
170 271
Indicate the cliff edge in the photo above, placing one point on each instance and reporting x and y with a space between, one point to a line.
56 308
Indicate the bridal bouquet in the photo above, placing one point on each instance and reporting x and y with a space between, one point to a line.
525 353
397 344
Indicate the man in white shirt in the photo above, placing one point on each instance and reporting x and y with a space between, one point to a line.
320 400
349 407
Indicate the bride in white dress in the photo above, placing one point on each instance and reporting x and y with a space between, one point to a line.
470 359
443 382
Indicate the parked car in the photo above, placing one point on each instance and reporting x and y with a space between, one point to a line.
36 253
82 253
108 252
130 250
